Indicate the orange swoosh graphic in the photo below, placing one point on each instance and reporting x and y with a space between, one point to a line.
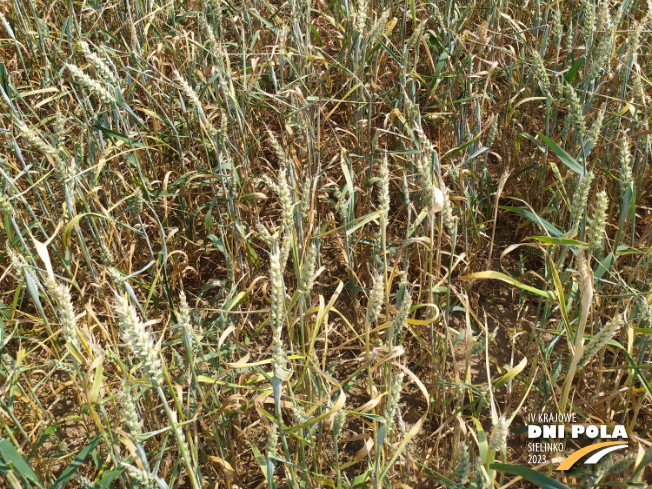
571 459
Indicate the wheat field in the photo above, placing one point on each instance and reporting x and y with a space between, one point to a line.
345 244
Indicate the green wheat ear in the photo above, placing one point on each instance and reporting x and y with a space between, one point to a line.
540 72
391 405
499 434
463 469
142 477
625 159
598 341
399 322
580 199
575 110
132 416
277 314
598 222
60 295
139 340
375 303
94 86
